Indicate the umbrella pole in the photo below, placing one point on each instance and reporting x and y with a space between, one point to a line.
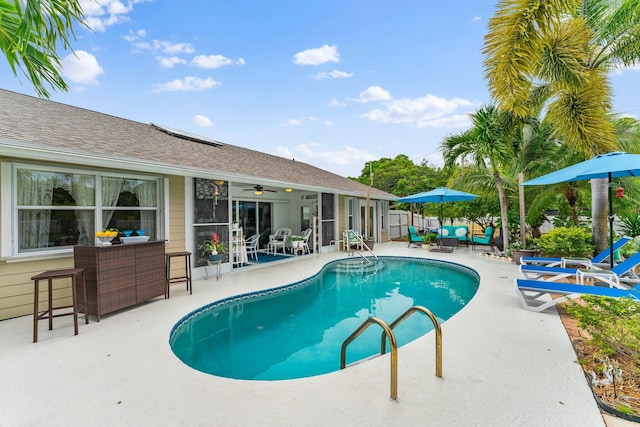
611 217
441 223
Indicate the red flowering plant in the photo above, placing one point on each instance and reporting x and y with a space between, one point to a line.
213 246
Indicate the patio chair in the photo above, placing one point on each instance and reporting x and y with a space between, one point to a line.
305 243
483 239
352 241
619 276
279 240
414 237
586 262
532 293
252 246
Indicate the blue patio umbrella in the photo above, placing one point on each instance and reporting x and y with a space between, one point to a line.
439 195
611 165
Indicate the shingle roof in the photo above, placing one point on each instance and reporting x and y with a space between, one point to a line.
36 122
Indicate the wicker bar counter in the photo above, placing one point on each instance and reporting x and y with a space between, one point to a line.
120 276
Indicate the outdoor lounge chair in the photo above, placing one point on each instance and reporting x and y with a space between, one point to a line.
483 239
414 237
614 277
598 259
539 289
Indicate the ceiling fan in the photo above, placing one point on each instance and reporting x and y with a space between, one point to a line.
258 189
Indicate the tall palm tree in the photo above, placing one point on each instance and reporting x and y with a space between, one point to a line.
567 46
30 31
489 145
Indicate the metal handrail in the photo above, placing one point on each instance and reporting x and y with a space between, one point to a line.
436 326
358 238
392 342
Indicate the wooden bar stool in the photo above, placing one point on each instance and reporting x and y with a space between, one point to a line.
187 271
70 273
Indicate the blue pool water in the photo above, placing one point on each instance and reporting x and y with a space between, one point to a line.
297 330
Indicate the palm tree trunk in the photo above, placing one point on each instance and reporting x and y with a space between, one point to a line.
599 191
504 207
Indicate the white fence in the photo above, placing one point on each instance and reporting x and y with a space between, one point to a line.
399 221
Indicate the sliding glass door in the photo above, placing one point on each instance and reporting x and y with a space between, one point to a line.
254 218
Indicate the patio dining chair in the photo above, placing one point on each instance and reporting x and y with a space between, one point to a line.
252 246
305 243
279 240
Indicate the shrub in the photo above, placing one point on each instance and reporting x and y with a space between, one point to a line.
566 242
612 323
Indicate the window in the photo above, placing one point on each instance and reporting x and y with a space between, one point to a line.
59 208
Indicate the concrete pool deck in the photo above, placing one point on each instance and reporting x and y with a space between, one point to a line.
502 366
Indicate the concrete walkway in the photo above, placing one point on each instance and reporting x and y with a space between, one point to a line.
503 366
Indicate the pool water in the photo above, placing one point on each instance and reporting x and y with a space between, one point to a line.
297 330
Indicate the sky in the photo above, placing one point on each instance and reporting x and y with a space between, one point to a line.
335 84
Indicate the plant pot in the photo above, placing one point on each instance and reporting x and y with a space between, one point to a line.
215 257
369 244
519 253
425 246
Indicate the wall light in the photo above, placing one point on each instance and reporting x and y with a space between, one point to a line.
288 189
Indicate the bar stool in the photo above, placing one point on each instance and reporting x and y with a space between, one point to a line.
187 270
73 274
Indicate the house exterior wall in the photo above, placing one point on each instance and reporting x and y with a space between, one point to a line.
16 286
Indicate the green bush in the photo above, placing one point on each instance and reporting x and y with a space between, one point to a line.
613 323
566 242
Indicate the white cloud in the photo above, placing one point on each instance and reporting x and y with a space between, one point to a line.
188 84
162 46
426 111
104 13
132 37
203 121
329 123
317 56
343 157
373 93
335 103
170 61
476 19
299 122
214 61
335 74
81 67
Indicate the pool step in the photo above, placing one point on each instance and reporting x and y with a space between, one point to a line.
357 266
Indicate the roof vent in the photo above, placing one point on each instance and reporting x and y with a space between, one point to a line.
188 136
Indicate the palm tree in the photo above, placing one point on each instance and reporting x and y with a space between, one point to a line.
489 145
30 31
567 47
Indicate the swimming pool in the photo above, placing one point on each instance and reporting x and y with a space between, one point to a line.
296 330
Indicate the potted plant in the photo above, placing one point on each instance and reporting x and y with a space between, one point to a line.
517 250
427 239
213 248
296 241
369 242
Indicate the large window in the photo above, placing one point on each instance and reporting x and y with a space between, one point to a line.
58 208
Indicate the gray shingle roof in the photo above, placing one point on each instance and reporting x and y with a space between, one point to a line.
46 124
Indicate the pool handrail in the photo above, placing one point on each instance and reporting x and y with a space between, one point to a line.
392 342
436 326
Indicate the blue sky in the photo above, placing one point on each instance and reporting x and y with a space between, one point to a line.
331 83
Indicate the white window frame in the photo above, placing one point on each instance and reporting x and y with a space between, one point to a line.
9 208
